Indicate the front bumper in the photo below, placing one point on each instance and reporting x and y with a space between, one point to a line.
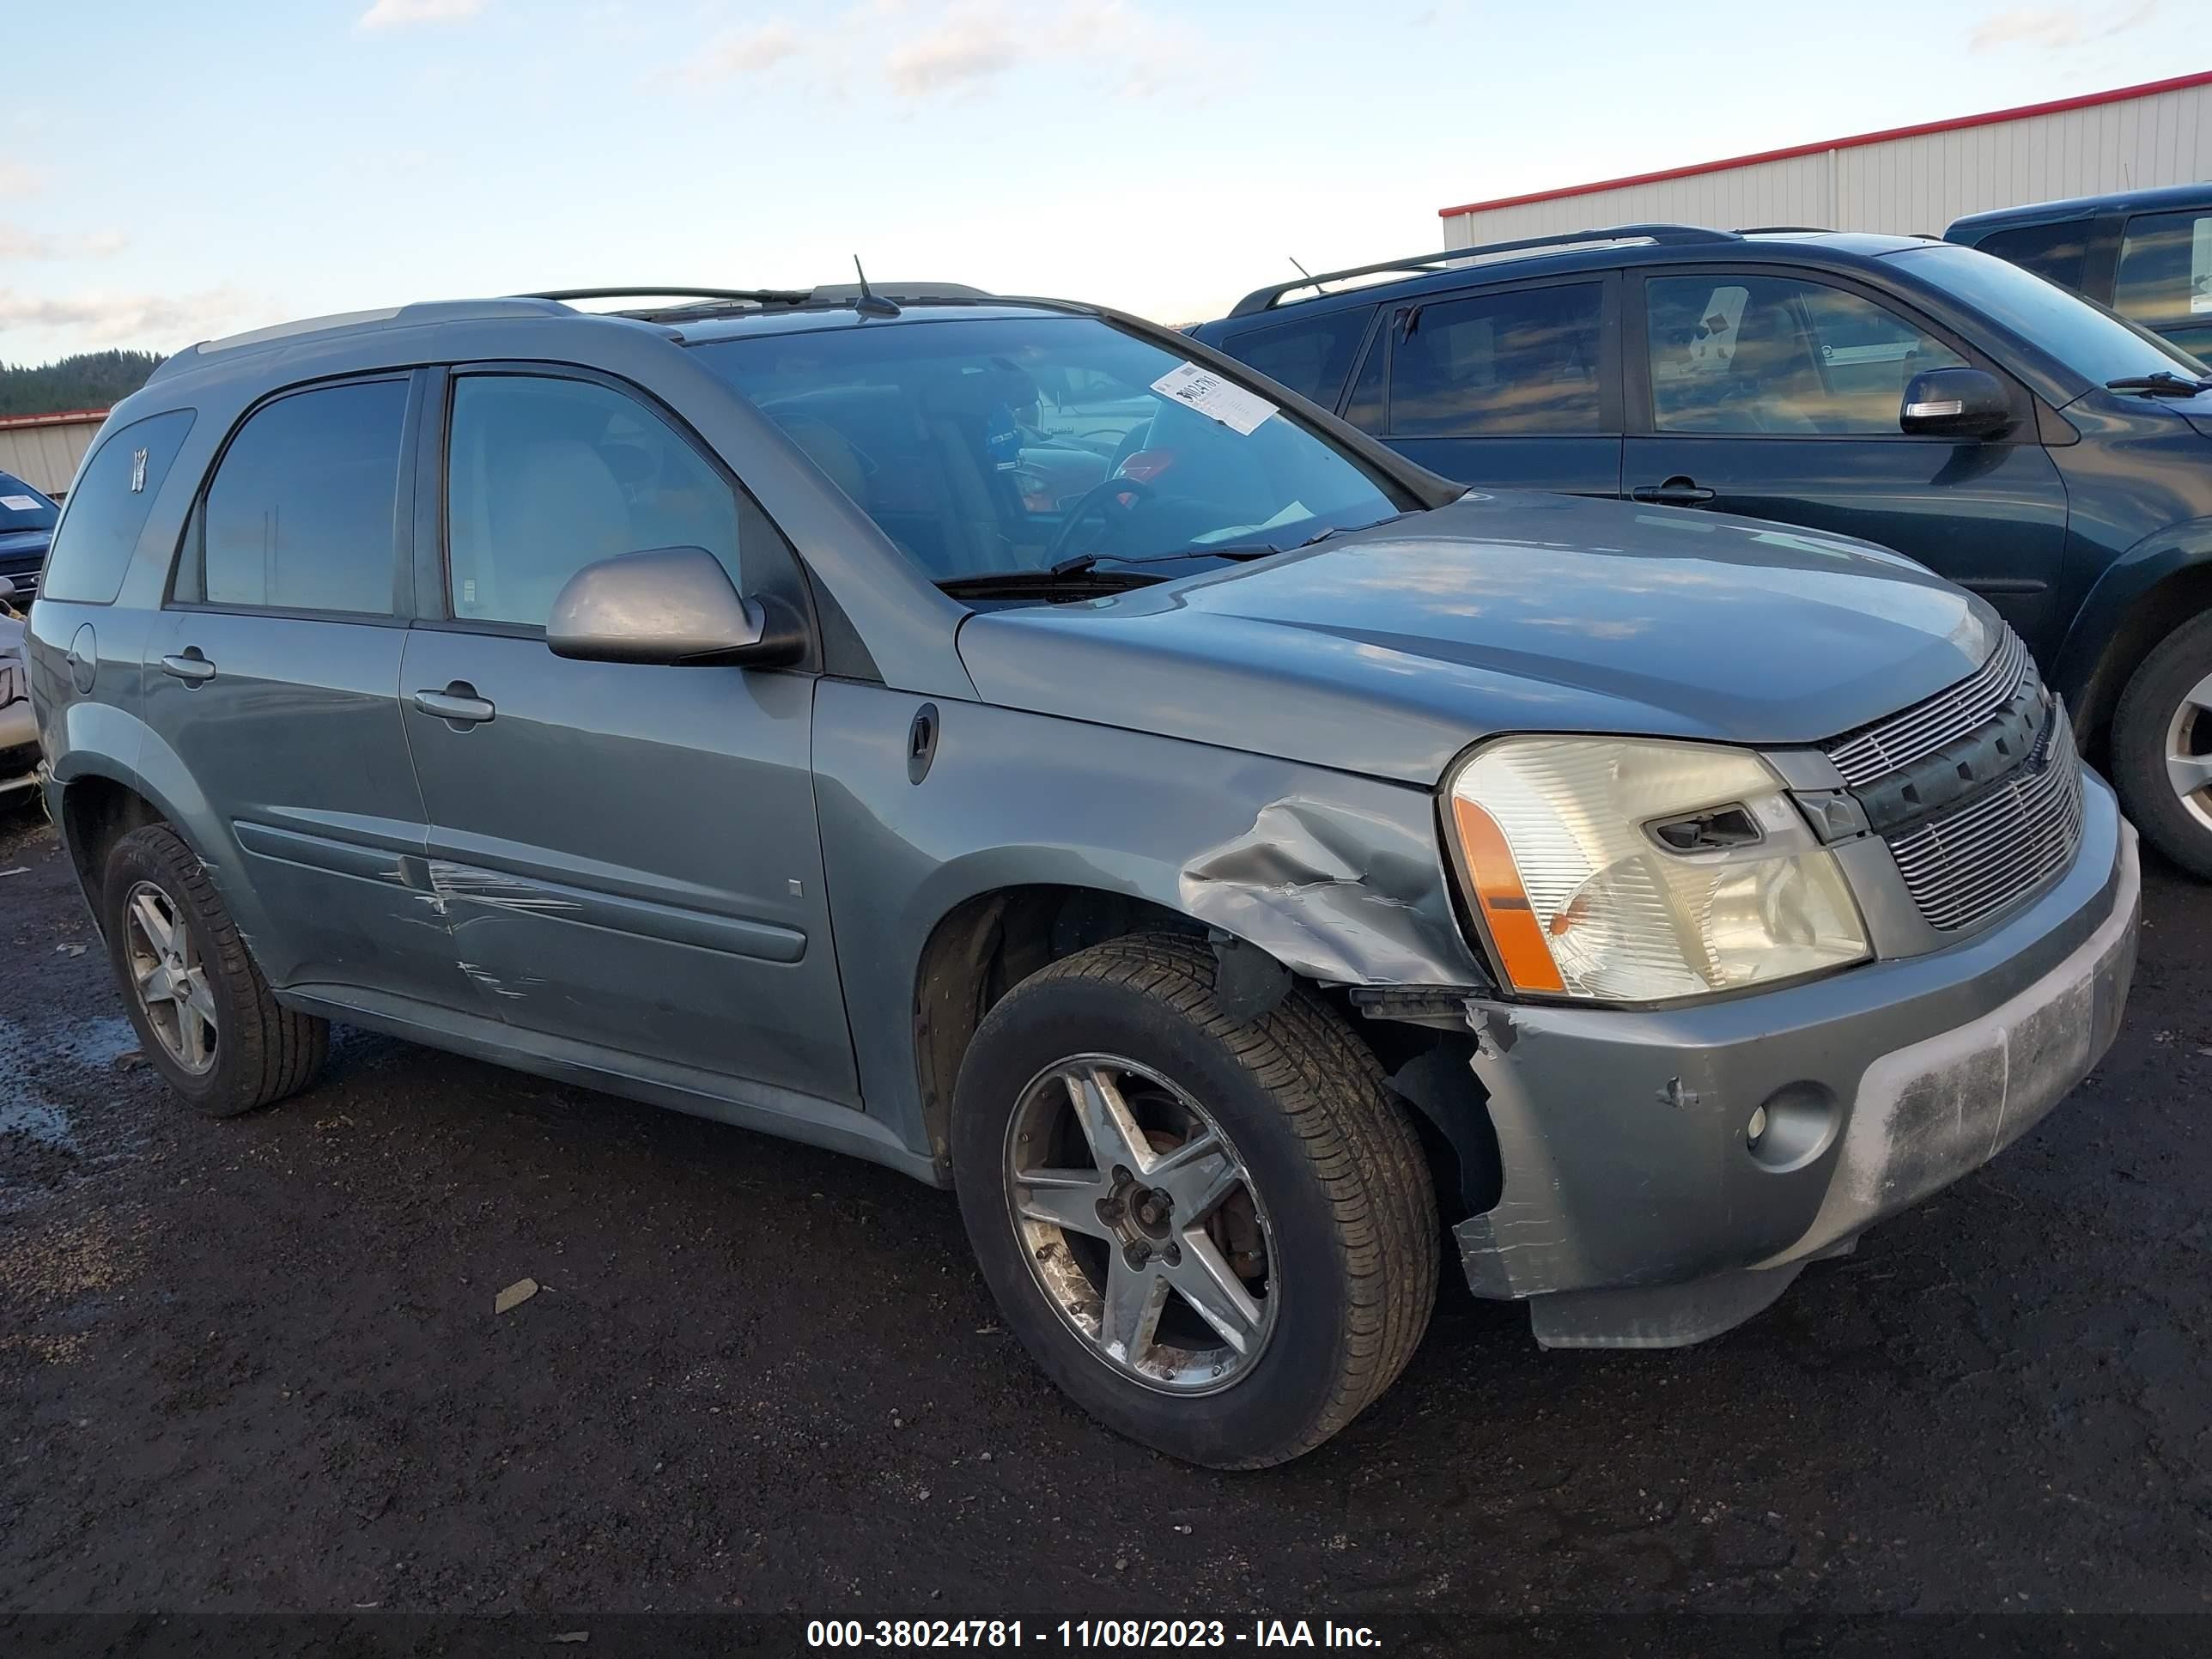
1634 1212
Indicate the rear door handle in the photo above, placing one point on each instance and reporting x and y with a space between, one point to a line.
189 666
1675 492
458 703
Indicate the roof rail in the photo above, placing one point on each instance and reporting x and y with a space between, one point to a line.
1264 299
434 311
1783 230
787 296
708 298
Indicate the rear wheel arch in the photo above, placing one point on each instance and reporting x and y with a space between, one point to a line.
98 809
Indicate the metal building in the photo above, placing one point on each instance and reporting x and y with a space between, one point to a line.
43 450
1904 180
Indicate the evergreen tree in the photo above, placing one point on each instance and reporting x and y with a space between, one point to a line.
93 380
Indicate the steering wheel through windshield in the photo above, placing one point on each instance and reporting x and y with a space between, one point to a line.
1095 502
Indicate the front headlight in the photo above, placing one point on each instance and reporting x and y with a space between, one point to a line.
1629 870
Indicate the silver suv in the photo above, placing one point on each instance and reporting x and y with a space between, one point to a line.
1011 742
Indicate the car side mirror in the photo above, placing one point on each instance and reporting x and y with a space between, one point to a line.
672 606
1955 403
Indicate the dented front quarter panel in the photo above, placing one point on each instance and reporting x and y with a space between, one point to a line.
1338 878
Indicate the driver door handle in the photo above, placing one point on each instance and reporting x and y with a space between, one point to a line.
1677 491
458 703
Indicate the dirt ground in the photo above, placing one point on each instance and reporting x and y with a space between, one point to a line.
254 1365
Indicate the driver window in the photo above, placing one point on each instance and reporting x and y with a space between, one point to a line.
546 476
1753 356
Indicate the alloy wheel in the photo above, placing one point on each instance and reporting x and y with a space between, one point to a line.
169 979
1141 1223
2189 751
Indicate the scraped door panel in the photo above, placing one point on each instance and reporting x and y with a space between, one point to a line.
627 855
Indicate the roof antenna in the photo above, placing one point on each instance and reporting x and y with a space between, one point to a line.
870 304
1304 272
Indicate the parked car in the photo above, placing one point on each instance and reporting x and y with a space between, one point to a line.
27 525
2031 447
1218 874
2146 254
19 732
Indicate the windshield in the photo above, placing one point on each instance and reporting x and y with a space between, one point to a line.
2093 342
22 508
997 446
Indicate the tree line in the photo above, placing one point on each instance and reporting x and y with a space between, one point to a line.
93 379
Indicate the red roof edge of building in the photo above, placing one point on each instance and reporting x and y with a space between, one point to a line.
58 417
2056 106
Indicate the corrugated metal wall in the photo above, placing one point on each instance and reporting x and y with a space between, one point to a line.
1902 184
46 456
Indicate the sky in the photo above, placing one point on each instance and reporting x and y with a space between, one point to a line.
170 172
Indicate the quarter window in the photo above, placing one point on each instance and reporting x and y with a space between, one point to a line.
545 477
302 512
1499 365
108 506
2056 252
1310 357
1765 355
2165 276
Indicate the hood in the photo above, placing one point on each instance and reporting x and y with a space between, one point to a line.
22 547
1390 651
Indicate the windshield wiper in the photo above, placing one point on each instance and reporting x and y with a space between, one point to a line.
1087 561
1044 584
2163 384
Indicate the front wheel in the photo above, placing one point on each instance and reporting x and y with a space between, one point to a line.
2162 746
1219 1237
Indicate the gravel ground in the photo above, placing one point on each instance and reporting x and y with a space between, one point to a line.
254 1365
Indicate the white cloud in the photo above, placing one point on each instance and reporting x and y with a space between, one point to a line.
2055 28
95 321
960 49
397 14
743 52
973 44
19 179
17 243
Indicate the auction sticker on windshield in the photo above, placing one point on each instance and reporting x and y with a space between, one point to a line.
23 503
1218 399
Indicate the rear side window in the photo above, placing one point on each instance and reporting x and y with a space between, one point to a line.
1755 356
545 477
1499 365
108 508
2165 278
302 511
2058 253
1310 357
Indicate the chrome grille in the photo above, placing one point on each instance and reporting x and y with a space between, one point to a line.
11 682
1926 726
1970 863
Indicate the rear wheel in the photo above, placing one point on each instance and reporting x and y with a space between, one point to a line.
1219 1237
205 1016
2162 746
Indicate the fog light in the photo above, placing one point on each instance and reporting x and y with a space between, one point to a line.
1756 1129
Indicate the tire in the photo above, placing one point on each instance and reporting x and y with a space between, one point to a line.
257 1051
2155 715
1330 1169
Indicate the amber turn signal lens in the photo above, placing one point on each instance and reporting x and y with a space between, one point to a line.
1504 904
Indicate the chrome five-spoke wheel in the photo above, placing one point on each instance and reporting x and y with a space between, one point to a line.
1141 1223
169 979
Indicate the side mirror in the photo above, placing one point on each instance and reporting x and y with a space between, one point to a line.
672 606
1955 403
